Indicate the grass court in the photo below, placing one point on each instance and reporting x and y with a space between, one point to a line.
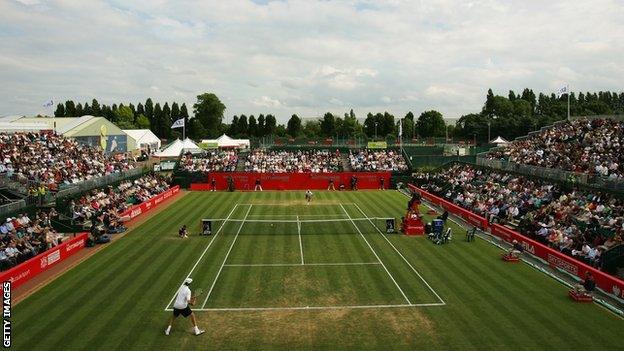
280 274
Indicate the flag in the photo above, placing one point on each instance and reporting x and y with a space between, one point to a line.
562 90
400 128
178 124
48 103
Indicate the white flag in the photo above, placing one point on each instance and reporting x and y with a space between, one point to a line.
178 124
48 103
562 90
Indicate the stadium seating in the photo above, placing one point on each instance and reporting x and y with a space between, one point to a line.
582 224
584 146
273 161
377 160
53 160
210 161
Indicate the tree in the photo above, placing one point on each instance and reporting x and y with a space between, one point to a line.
294 128
142 122
60 111
261 127
166 121
328 125
243 127
253 126
195 129
312 129
175 111
157 121
79 110
95 108
149 110
209 111
87 109
233 130
431 124
140 110
184 114
270 125
408 126
70 109
124 118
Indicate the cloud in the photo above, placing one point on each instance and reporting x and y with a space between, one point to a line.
305 57
265 101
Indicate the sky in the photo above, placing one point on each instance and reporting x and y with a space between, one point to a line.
303 56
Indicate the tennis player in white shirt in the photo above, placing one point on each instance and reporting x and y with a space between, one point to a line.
181 306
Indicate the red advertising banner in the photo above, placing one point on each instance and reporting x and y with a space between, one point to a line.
554 258
25 271
294 181
470 217
146 206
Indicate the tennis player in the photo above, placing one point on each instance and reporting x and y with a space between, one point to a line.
308 196
181 306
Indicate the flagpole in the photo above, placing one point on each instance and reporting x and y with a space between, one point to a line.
568 102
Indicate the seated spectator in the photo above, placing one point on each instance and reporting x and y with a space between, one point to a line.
210 161
377 160
312 161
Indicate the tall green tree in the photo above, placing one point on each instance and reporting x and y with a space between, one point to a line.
294 127
142 122
87 109
312 129
209 112
328 125
79 110
233 130
408 126
95 108
270 125
70 109
149 110
175 111
431 124
141 110
253 126
261 127
60 111
157 121
243 127
124 118
166 121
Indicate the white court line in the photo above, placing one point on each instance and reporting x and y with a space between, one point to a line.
403 257
295 215
300 241
312 308
203 253
226 257
299 264
375 253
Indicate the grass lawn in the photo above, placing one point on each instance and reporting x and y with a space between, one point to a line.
276 278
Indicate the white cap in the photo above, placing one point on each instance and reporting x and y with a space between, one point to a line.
188 281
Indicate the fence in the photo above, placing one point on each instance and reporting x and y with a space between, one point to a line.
81 187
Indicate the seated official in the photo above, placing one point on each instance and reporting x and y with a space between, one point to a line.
587 286
516 250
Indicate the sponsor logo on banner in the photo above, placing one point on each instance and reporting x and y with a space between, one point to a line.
77 244
158 200
54 256
148 205
528 247
563 264
135 212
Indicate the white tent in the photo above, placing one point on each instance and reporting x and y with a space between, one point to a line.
177 147
144 138
226 141
499 141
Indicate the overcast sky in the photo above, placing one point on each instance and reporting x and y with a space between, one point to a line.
305 57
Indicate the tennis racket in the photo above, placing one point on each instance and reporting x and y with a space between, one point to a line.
198 292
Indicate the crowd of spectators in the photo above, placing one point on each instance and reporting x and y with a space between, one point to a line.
101 209
314 161
51 159
210 161
585 146
579 223
377 160
22 237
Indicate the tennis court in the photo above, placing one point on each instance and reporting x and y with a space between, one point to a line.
295 255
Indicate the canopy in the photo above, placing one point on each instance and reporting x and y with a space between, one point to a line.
499 140
226 141
177 147
144 138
